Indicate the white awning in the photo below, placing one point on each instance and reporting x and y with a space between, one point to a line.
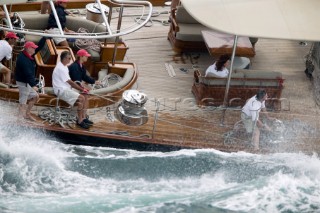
284 19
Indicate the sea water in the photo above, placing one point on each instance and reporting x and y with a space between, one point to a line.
40 174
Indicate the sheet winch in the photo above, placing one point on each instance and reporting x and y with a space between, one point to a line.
131 110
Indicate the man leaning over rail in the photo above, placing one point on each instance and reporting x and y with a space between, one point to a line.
66 89
6 52
250 116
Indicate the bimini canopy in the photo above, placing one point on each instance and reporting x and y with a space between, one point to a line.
284 19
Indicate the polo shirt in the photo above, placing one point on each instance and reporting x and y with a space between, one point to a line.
253 107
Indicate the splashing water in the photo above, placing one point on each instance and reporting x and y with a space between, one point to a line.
39 174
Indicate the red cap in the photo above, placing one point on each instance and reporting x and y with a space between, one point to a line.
83 52
29 44
11 35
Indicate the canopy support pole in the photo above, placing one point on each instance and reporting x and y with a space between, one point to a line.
117 38
226 94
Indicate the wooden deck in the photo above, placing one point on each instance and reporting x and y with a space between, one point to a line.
181 122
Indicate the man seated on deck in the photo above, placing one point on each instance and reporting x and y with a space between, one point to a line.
66 89
6 52
78 73
77 70
52 27
250 116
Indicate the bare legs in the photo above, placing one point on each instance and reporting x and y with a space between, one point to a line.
85 105
25 109
256 138
81 107
6 75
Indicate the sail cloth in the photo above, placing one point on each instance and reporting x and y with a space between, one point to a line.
284 19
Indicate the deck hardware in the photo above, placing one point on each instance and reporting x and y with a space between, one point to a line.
131 110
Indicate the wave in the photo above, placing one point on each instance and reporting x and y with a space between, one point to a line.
40 174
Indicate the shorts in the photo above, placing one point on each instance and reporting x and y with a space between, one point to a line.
248 122
1 66
26 92
56 40
70 96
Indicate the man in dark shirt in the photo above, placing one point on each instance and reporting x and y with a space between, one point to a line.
25 79
78 73
52 24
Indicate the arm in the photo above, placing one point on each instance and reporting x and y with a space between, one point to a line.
30 78
255 116
74 73
27 67
265 113
75 85
87 78
8 50
264 110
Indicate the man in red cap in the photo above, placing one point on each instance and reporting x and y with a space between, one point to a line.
78 73
25 78
6 52
77 70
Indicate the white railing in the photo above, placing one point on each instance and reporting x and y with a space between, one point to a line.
146 12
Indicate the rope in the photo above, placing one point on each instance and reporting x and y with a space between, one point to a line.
59 116
151 20
154 14
106 81
83 43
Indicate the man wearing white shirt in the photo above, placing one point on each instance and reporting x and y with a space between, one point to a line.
250 116
65 88
6 52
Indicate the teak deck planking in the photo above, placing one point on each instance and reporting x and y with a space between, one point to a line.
181 122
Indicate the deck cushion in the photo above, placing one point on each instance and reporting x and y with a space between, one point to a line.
268 78
48 91
40 22
95 56
190 32
113 88
237 79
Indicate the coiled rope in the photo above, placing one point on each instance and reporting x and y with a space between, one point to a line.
106 81
151 20
86 43
59 116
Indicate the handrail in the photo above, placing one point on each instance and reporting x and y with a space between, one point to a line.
7 15
107 34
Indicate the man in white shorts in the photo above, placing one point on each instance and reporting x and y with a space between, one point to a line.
68 90
25 78
250 116
6 52
52 27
